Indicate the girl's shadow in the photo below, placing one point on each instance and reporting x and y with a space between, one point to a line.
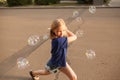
15 78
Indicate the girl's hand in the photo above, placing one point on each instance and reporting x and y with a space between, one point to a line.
71 36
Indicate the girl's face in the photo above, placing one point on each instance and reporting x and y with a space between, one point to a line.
60 31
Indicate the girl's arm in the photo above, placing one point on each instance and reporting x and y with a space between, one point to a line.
71 36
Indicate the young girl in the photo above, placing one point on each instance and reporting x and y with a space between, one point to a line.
60 38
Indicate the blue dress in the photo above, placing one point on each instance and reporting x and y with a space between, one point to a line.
58 52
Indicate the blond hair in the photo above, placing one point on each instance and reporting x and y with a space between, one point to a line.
55 24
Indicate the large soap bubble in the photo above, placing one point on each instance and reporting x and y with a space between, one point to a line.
22 63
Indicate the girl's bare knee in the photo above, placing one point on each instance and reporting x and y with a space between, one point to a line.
74 77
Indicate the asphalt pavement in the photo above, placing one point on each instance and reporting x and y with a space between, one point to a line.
101 33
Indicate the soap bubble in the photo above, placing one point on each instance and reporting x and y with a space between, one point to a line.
33 40
75 14
45 37
90 54
79 19
22 63
79 33
92 9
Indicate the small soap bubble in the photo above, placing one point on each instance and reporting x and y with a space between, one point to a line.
92 9
33 40
79 33
49 28
22 63
79 19
90 54
75 14
45 37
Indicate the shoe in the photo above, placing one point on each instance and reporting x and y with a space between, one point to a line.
31 74
33 77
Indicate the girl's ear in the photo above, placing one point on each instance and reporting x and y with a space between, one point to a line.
53 33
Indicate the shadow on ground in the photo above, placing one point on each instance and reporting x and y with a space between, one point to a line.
15 78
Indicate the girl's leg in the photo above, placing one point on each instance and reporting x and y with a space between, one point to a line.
35 74
69 72
40 72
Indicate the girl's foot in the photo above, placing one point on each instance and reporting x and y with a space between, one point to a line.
33 77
